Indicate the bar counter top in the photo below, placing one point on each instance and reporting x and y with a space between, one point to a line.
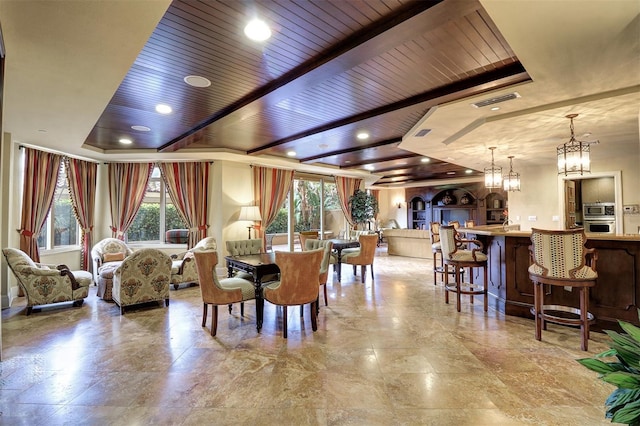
512 231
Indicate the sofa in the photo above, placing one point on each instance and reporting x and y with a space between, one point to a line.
408 242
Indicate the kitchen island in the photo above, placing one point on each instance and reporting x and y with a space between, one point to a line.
616 295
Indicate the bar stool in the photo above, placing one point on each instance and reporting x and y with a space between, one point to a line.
559 258
453 255
434 231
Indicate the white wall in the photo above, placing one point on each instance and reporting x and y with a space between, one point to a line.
388 206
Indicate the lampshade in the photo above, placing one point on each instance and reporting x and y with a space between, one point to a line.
493 174
511 181
574 156
250 213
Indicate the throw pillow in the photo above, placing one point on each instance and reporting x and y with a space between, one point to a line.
113 257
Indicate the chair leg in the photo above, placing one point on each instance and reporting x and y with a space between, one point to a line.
28 311
363 272
354 270
214 320
471 283
537 307
314 321
326 301
284 321
230 308
301 311
435 282
241 309
205 308
458 304
372 272
166 302
584 323
446 283
485 290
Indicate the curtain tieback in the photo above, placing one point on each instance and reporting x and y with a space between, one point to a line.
117 231
25 232
87 230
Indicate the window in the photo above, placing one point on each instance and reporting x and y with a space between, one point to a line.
157 213
61 227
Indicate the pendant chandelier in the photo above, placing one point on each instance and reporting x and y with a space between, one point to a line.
511 180
574 156
493 174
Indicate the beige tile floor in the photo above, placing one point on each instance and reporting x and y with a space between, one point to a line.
387 352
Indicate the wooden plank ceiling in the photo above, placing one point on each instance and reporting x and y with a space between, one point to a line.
331 69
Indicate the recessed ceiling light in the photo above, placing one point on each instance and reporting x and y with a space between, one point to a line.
163 109
468 171
257 30
451 173
347 161
291 153
369 167
495 108
323 146
141 128
125 141
362 135
425 160
197 81
42 131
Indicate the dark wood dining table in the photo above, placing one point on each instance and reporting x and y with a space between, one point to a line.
338 246
258 265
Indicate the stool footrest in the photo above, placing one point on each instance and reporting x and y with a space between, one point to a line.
465 288
560 314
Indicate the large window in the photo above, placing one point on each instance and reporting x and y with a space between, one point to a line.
61 227
157 213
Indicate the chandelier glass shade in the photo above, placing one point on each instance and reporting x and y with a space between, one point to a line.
493 174
511 181
574 156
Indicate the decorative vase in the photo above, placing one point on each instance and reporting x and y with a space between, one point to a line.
465 199
448 199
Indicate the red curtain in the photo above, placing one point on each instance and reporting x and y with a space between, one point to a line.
41 170
127 186
270 189
188 186
346 188
81 178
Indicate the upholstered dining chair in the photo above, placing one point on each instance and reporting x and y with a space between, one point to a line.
453 255
298 284
560 259
216 291
305 235
362 256
243 248
43 284
327 259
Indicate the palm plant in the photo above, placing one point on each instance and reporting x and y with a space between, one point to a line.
623 405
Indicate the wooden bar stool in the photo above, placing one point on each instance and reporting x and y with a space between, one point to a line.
559 258
434 231
454 256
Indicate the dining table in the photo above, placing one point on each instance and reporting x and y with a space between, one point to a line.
257 265
338 246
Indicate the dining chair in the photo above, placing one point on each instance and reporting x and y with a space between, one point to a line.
298 284
216 291
327 259
363 255
305 235
436 249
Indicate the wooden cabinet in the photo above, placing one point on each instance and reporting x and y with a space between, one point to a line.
417 211
495 206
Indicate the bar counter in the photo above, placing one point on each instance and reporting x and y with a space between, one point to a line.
616 295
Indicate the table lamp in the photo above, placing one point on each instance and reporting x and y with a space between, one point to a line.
250 214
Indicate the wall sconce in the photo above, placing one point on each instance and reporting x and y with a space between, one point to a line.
250 214
399 202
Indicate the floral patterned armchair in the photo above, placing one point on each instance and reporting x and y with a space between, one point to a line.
44 284
142 277
108 251
183 266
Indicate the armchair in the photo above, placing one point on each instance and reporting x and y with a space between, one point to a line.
183 267
142 277
362 256
44 284
244 247
109 251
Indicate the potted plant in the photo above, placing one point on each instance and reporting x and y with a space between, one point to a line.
364 207
623 405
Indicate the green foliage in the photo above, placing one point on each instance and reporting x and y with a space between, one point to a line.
146 226
279 225
364 206
623 405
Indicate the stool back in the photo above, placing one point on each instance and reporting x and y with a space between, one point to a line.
448 241
560 254
434 230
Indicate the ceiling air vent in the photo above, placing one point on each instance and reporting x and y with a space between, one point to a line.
497 99
421 133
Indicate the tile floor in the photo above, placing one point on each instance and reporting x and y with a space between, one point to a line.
387 352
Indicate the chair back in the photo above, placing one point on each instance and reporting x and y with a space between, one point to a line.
560 254
454 223
434 230
448 241
207 243
326 246
299 272
109 250
243 247
469 223
305 235
210 288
